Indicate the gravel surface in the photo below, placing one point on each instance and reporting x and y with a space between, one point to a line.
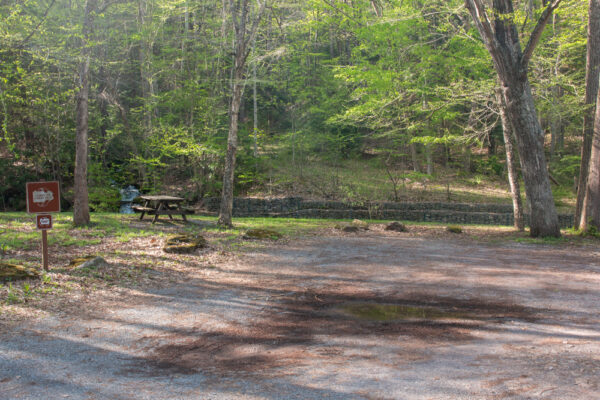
523 323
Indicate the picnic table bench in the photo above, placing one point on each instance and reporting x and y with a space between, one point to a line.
162 205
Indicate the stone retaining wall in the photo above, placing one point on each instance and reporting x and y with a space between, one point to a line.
296 207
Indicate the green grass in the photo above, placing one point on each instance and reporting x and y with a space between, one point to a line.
17 231
286 226
358 180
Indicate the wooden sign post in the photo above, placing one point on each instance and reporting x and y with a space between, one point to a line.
43 198
43 222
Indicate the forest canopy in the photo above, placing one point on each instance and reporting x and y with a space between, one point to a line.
407 85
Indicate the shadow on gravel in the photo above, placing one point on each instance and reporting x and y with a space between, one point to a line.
298 327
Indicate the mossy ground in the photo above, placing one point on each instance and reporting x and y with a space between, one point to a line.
262 234
454 229
134 248
185 244
392 312
76 262
12 272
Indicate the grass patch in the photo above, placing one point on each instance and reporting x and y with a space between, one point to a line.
291 227
545 240
17 231
357 180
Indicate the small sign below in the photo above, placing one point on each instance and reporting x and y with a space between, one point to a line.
43 197
43 221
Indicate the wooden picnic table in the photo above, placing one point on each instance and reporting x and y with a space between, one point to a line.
161 205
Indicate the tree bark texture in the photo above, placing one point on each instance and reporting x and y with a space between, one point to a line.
513 176
225 214
591 89
501 38
254 104
591 205
81 209
243 37
415 157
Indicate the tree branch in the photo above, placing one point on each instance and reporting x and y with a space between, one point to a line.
537 32
110 3
332 5
484 26
24 41
254 28
234 17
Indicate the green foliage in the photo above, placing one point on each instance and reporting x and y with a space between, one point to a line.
566 168
104 199
335 80
12 184
592 231
489 166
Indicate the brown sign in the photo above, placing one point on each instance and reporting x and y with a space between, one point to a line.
43 221
43 197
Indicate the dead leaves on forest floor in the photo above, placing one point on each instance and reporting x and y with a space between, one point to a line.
140 263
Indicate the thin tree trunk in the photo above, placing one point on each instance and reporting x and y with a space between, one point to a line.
255 104
81 209
467 158
414 156
591 90
513 177
243 38
225 215
429 156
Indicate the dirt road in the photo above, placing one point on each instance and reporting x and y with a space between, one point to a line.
304 320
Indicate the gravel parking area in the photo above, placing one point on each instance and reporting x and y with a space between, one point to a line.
304 320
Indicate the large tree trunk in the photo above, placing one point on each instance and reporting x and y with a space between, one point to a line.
591 204
513 176
591 89
501 38
81 209
521 112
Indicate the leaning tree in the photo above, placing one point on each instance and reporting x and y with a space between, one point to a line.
499 32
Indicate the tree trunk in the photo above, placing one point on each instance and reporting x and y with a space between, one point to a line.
254 104
521 113
591 90
467 162
415 157
429 158
513 176
243 38
81 209
225 215
591 205
501 38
